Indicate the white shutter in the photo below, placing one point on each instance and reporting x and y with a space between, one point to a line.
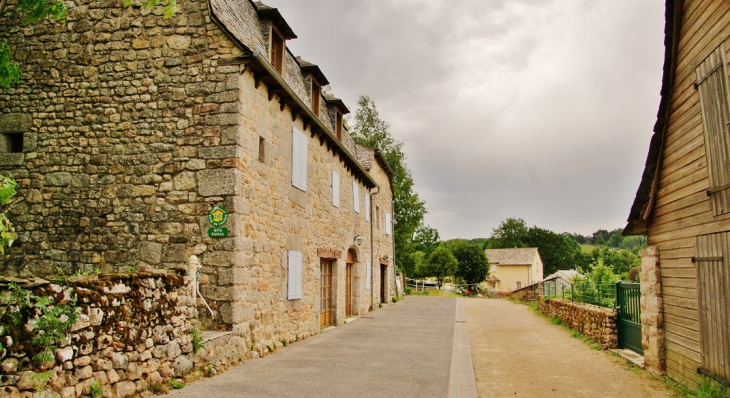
299 159
368 275
294 277
356 197
335 189
388 227
367 207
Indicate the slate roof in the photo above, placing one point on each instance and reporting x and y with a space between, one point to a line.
565 274
516 256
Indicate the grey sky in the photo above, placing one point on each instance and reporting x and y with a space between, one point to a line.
541 110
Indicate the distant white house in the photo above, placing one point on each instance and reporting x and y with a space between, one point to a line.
512 269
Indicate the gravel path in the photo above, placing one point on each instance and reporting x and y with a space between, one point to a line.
516 353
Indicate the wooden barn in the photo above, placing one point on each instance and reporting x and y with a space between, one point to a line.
683 201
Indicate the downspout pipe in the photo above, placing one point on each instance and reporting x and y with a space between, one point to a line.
392 238
372 251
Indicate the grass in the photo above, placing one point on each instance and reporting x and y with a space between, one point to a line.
587 249
437 293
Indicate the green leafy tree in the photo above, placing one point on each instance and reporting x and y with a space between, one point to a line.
426 239
511 233
7 231
633 243
473 266
620 262
440 265
556 251
413 264
408 208
34 11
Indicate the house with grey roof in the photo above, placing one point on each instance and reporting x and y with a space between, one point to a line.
512 269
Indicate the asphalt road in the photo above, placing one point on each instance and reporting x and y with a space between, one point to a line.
400 350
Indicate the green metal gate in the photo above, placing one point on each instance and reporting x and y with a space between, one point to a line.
628 313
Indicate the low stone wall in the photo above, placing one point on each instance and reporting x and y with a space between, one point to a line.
133 331
596 322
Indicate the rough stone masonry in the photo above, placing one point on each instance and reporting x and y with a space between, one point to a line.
128 128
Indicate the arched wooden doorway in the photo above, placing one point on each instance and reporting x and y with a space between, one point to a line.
349 265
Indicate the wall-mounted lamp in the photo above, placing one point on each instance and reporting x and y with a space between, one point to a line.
358 240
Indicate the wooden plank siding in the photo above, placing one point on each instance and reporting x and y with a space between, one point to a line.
682 210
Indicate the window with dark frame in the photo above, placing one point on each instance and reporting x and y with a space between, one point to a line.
12 143
262 149
338 125
316 95
277 50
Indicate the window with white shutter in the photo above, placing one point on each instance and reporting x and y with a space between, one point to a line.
388 227
367 207
294 277
335 189
355 197
368 275
299 159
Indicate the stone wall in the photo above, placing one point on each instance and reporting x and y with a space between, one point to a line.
131 127
132 331
596 322
137 126
652 312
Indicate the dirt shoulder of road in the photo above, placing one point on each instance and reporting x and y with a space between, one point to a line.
517 353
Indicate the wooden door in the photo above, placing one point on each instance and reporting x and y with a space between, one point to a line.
348 290
383 284
349 263
325 293
713 280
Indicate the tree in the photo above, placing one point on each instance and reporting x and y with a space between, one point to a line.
510 233
620 262
408 208
426 239
473 266
633 243
441 264
412 266
556 251
34 11
7 231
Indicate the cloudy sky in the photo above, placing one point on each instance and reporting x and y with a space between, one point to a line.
541 110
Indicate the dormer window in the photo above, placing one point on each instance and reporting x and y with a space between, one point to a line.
338 125
277 50
316 95
337 109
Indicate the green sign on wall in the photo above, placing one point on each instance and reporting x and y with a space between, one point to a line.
217 217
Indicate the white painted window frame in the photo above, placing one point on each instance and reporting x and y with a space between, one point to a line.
299 159
335 189
356 197
294 275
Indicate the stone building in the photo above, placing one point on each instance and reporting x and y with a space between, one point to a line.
127 129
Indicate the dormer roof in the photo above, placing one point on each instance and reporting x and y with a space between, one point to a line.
272 14
312 69
337 103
